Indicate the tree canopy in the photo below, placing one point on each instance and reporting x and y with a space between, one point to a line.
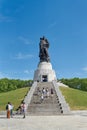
12 84
76 83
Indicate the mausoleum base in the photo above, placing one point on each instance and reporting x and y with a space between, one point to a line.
44 72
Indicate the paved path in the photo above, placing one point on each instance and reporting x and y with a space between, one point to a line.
71 122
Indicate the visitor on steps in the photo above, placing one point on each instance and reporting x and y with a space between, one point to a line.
52 92
38 91
42 97
47 93
43 91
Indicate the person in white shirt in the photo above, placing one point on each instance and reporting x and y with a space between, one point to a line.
24 109
11 109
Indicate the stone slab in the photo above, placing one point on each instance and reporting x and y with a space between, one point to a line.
72 122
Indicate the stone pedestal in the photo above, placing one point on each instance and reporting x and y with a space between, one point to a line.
44 73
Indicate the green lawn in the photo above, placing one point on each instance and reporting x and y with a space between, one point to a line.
15 97
76 99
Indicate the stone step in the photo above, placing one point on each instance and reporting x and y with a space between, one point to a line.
44 107
45 113
49 106
39 101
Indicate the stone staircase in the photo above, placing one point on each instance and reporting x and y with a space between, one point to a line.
48 106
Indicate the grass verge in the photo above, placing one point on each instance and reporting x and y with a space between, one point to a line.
76 99
15 97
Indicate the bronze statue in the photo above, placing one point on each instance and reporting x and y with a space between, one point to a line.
43 54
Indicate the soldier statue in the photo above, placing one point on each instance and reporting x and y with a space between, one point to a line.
43 54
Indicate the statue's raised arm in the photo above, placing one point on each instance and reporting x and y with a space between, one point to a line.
43 54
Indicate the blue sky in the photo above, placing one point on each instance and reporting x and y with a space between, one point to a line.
62 22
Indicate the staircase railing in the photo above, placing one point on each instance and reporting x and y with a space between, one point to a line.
62 102
28 98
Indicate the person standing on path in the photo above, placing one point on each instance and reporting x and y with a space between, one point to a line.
24 110
8 108
11 110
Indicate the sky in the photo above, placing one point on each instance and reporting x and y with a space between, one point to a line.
62 22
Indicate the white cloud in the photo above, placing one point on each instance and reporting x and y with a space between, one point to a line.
26 71
24 40
23 56
4 18
17 74
85 69
1 75
52 25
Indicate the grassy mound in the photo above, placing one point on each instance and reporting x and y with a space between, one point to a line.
76 99
15 97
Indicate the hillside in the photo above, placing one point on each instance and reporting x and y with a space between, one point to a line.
14 96
76 99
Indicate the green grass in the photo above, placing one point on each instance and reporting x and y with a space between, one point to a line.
76 99
15 97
